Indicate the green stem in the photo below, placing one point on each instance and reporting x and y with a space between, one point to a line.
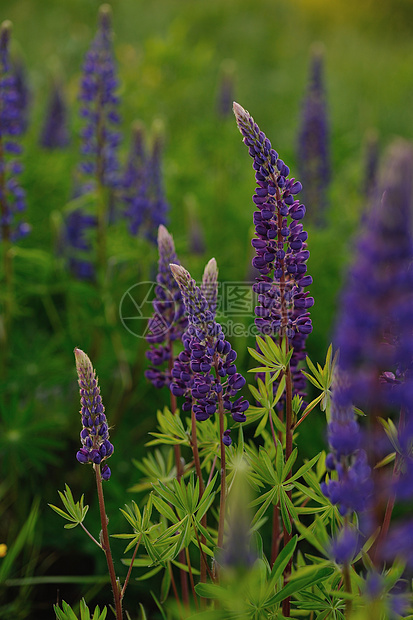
197 462
288 450
191 578
5 320
90 536
106 545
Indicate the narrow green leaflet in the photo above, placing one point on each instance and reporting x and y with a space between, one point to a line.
298 583
76 512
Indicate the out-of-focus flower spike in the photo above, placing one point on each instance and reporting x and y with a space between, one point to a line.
12 196
226 88
313 141
94 437
55 134
24 97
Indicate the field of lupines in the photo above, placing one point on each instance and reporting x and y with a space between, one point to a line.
228 463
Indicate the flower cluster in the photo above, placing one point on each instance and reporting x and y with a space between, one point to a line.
134 179
375 325
144 194
94 436
280 245
100 138
12 196
313 141
76 236
169 321
55 133
352 487
207 358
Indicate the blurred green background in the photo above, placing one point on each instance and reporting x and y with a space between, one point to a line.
171 56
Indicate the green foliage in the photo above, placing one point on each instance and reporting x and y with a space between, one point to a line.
76 512
67 613
28 443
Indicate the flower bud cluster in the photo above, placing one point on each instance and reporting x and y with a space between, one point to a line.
94 436
205 352
12 196
169 321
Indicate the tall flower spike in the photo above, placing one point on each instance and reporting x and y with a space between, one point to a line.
100 137
100 140
147 206
135 181
313 141
280 245
12 196
375 324
94 436
205 348
55 133
169 321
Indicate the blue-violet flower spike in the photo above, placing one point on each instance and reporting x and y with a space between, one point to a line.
96 447
206 367
169 321
12 196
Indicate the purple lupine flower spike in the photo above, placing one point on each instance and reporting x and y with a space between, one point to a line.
96 447
144 194
169 321
280 245
375 332
375 324
205 348
100 103
313 141
135 180
12 196
159 205
55 133
100 137
209 286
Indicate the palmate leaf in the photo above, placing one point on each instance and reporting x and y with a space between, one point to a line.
155 467
172 431
76 511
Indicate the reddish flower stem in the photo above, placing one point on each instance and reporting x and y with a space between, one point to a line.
106 545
